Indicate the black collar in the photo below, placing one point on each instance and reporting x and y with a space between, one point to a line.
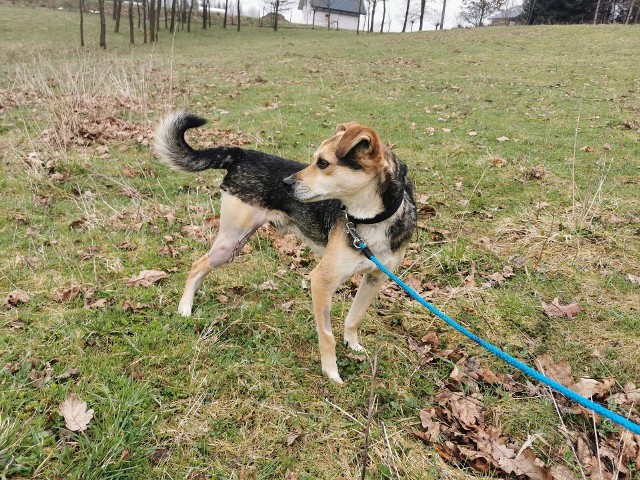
382 216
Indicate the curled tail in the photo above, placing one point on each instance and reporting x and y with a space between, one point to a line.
170 146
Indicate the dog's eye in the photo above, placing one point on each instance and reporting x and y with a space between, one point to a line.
322 163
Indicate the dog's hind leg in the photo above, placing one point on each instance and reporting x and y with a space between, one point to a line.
369 288
238 222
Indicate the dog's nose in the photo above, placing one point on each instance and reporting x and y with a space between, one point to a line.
288 181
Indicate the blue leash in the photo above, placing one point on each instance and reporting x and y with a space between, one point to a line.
585 402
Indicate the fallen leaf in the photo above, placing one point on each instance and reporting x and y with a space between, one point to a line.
158 455
75 413
502 139
555 309
560 472
146 278
634 279
40 377
587 148
15 298
559 371
290 475
66 294
293 435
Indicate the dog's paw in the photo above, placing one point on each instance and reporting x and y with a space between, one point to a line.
184 310
355 346
335 376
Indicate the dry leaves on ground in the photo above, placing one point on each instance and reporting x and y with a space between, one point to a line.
146 278
556 309
15 298
458 426
75 413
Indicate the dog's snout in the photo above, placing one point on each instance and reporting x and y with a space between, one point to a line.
289 181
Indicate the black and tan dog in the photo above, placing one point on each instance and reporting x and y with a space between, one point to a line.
353 178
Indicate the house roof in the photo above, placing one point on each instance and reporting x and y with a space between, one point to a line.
510 12
343 6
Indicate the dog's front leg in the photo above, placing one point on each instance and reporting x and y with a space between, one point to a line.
369 287
324 282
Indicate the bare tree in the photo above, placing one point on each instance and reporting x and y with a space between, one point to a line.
116 28
131 34
384 14
238 15
444 6
172 25
477 11
406 16
205 12
103 25
144 20
226 9
81 23
152 21
373 4
423 4
189 18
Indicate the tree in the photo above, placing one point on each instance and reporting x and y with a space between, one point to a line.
444 6
238 15
384 14
423 4
173 16
118 13
152 21
189 18
131 35
103 25
81 23
406 17
477 11
226 9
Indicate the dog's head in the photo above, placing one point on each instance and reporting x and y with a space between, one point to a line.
343 165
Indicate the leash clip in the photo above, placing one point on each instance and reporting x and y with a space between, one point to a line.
350 227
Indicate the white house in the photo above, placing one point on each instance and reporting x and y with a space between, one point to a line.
331 14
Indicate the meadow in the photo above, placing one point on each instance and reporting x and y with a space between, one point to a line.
523 145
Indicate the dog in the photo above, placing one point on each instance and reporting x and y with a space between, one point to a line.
354 184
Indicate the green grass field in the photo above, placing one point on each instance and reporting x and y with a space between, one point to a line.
236 390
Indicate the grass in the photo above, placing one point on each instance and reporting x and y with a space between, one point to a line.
216 395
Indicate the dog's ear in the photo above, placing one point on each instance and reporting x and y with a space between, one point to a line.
356 134
343 127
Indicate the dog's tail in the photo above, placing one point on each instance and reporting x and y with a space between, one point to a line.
170 146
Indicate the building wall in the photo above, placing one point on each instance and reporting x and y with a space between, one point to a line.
345 22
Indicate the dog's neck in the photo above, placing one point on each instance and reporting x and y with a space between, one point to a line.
371 207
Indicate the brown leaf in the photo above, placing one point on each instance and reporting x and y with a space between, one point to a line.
15 298
97 305
40 377
66 294
432 427
293 435
159 455
75 413
502 139
146 278
555 309
560 472
290 475
468 410
558 371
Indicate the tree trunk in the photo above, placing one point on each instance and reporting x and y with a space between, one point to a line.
144 20
238 15
633 3
189 17
82 23
358 24
205 12
173 16
406 17
275 18
103 25
118 15
209 14
373 14
384 14
226 8
114 9
444 6
131 35
152 21
595 16
422 5
138 5
166 16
